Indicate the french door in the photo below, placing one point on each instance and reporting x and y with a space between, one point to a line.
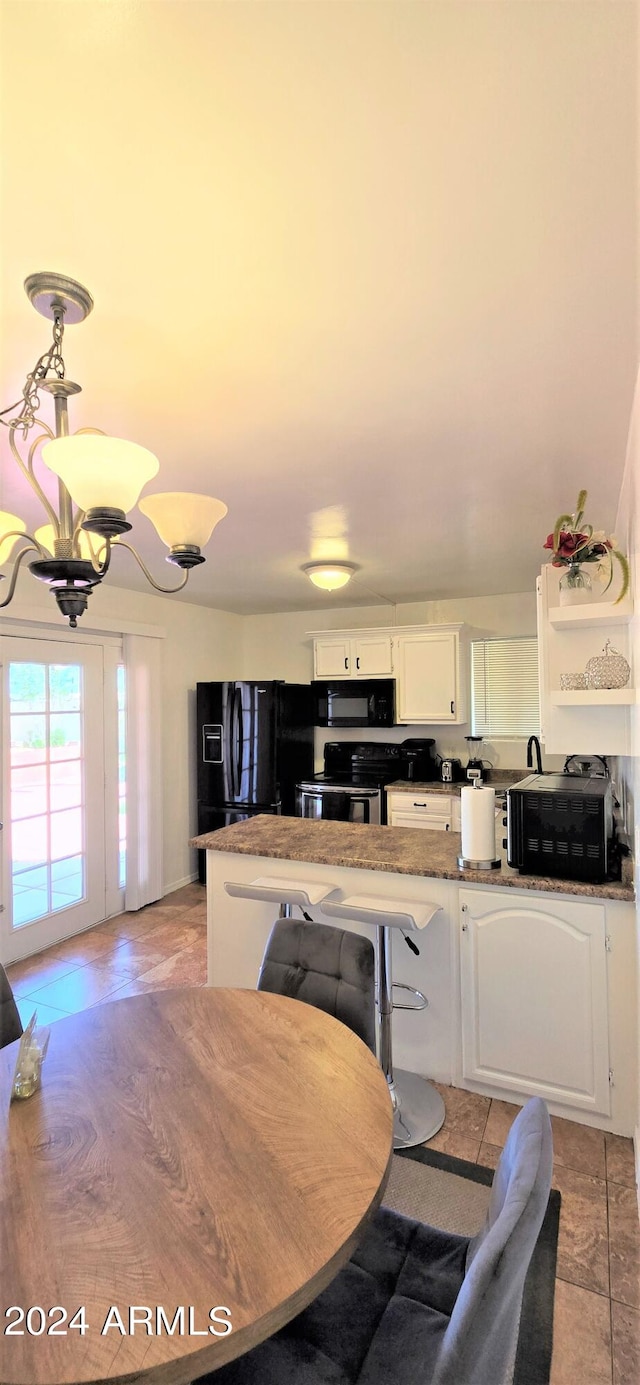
53 792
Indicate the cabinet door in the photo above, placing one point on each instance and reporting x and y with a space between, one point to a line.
534 997
371 656
332 658
427 677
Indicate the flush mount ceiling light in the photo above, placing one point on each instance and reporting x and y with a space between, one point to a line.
99 479
330 576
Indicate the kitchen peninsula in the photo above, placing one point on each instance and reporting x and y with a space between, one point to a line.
530 980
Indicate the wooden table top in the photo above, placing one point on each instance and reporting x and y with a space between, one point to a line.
191 1149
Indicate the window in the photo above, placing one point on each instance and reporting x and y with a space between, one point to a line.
504 688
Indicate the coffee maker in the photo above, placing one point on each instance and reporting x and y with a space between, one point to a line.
475 767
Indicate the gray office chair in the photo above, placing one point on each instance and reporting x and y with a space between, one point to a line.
419 1306
10 1026
326 967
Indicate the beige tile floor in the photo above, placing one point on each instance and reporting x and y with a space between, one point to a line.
597 1305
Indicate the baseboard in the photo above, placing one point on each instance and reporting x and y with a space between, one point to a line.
179 884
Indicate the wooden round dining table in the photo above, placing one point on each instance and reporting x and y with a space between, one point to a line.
195 1168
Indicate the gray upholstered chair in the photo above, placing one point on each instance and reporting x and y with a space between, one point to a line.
326 967
10 1026
419 1306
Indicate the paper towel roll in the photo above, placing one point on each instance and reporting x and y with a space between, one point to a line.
478 824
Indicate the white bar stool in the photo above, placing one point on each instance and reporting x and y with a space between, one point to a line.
419 1108
275 889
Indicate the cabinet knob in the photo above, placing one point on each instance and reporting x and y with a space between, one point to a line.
346 662
453 709
464 908
465 928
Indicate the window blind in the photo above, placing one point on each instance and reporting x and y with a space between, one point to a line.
504 687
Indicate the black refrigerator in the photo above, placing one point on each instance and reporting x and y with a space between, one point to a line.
255 741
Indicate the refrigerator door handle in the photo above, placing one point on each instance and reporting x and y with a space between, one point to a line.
237 742
240 741
231 765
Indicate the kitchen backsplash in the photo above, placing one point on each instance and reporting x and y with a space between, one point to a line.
503 754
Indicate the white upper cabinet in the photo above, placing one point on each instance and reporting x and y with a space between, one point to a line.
581 721
429 663
353 656
430 677
331 658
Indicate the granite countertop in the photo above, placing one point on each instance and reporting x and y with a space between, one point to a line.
501 779
398 850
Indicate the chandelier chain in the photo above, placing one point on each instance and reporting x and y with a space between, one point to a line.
50 362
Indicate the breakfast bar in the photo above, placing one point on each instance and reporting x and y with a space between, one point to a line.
529 980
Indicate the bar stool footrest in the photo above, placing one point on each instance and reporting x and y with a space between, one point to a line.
422 1001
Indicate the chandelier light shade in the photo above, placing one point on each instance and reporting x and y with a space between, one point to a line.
330 576
183 520
11 528
100 472
100 479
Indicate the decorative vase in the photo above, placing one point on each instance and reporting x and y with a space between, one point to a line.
575 585
609 671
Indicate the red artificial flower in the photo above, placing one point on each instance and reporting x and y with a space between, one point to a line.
568 543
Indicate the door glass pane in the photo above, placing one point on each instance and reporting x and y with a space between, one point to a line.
66 833
64 687
64 737
28 739
27 687
65 784
29 840
28 791
67 882
48 863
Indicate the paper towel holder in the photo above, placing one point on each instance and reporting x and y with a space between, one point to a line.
466 862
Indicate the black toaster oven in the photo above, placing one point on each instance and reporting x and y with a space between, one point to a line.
561 825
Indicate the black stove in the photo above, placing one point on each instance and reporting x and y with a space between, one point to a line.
350 788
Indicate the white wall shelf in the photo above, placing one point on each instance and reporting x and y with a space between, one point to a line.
592 614
594 697
582 721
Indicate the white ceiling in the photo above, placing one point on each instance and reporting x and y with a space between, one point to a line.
366 271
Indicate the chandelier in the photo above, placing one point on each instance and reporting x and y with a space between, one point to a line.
99 479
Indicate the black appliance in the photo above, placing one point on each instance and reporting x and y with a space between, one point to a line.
561 825
450 770
351 787
255 741
419 760
358 702
475 764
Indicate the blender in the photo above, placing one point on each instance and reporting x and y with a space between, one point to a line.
475 768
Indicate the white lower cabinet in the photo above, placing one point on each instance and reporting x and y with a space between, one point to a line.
533 978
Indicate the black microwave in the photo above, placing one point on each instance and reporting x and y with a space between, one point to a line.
358 702
561 825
